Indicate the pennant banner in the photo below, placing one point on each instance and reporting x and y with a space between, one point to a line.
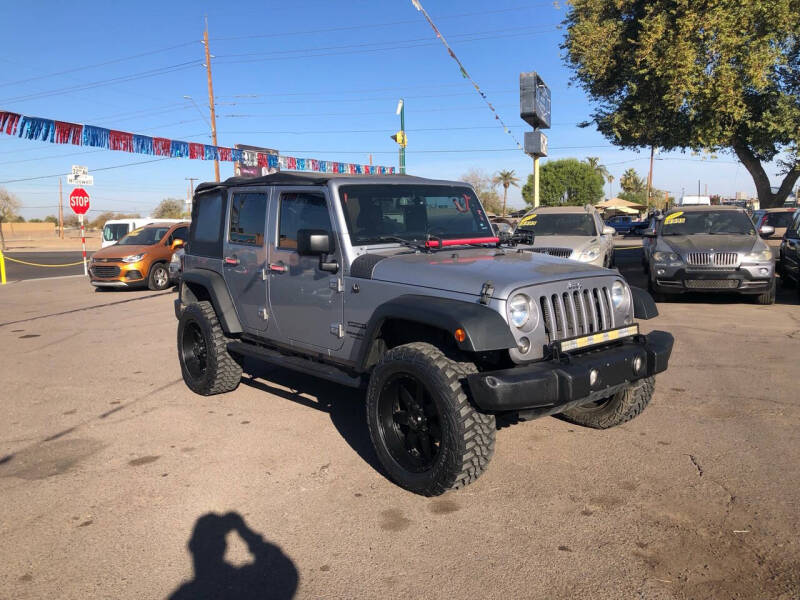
63 132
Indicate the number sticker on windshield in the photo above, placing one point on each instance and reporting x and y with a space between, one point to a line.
529 220
675 219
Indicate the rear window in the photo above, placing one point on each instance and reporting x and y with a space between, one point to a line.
779 219
205 237
114 231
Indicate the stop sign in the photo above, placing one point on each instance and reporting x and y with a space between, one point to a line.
79 201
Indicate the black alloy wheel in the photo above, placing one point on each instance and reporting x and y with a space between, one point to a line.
409 422
194 351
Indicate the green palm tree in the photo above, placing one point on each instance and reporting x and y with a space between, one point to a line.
506 179
610 179
594 162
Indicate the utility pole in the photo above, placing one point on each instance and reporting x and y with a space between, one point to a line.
191 181
698 188
60 210
403 145
650 175
211 100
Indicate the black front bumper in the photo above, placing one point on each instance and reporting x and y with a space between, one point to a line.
552 385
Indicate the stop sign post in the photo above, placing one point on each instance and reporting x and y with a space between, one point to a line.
79 203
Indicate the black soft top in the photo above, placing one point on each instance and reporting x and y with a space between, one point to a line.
294 178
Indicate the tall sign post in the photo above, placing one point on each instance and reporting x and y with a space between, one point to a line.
400 136
534 109
79 203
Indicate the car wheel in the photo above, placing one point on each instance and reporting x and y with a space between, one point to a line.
767 297
159 277
427 435
206 365
620 408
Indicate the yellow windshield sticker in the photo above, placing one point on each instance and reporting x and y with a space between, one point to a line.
528 220
675 218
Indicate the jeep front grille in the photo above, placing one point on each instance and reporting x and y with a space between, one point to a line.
559 252
576 312
712 259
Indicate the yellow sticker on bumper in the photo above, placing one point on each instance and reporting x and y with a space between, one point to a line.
599 338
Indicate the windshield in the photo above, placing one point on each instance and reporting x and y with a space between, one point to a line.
707 222
559 224
146 236
111 233
412 212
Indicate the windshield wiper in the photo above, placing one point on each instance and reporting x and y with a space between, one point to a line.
407 243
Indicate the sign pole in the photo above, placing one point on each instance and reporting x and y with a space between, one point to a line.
83 243
60 210
535 181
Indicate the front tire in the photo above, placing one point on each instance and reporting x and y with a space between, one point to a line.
616 410
427 435
206 365
159 277
767 297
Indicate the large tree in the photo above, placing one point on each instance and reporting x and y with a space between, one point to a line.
9 205
169 208
566 181
484 188
711 76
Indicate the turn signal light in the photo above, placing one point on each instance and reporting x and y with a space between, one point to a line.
460 335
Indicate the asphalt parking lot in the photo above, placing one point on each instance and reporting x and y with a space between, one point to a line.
117 482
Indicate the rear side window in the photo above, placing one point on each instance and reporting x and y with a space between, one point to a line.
205 237
248 215
301 210
779 219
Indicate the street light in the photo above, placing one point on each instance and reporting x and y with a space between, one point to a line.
400 136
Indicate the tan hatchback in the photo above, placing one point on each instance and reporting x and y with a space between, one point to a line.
140 258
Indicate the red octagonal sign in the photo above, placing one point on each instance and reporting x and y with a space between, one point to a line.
79 201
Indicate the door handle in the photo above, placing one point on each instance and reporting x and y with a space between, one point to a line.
278 267
232 260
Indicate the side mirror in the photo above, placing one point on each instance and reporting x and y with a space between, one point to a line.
177 244
766 231
609 230
314 242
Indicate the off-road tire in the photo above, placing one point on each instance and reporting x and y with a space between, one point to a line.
767 297
620 408
222 373
158 278
467 436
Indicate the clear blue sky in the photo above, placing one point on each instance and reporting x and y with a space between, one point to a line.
316 79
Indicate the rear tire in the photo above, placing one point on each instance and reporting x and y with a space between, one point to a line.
767 297
427 435
616 410
206 365
159 277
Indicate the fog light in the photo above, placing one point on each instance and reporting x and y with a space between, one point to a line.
660 272
593 376
523 345
637 364
763 270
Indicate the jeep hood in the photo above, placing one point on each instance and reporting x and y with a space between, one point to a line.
683 244
117 251
465 271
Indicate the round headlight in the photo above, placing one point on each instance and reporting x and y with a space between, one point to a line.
619 294
519 310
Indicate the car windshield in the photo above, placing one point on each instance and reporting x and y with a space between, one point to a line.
707 222
146 236
377 213
559 224
112 232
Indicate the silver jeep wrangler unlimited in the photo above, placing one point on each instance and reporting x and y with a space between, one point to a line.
397 284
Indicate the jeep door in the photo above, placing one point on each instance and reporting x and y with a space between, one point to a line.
790 259
305 301
245 254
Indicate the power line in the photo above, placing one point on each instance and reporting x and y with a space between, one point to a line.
100 64
375 25
340 114
131 164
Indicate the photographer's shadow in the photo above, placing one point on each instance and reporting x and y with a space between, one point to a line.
272 574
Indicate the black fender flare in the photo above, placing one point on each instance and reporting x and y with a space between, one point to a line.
644 307
218 294
484 328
